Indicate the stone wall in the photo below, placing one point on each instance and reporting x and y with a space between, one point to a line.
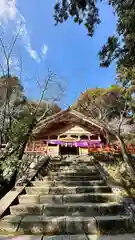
30 167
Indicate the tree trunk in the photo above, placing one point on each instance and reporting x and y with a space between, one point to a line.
22 149
107 137
126 157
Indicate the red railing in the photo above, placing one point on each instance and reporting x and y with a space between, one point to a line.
113 148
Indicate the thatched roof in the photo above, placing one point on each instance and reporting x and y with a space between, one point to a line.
63 119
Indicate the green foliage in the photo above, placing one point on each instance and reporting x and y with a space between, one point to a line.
120 175
108 52
126 79
122 45
82 11
11 164
126 76
18 116
93 93
130 138
110 99
19 129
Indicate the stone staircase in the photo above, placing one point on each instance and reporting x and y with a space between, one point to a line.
72 199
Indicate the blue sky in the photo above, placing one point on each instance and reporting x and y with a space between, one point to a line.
65 49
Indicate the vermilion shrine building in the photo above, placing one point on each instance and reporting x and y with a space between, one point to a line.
67 132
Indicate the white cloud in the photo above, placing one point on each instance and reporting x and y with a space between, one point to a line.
23 32
44 49
9 12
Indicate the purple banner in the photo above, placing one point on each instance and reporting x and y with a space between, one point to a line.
81 143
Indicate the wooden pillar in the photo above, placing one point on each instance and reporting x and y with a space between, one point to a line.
80 152
33 145
47 148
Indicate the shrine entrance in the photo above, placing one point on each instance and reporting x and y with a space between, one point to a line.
65 150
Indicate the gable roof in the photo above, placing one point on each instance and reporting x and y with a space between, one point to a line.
62 119
90 120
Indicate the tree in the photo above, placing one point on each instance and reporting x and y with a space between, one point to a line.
53 108
113 114
126 78
11 91
83 12
109 99
120 46
12 100
18 114
22 128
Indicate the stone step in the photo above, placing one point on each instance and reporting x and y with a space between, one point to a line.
87 197
66 225
73 160
40 183
74 169
68 183
72 173
74 178
72 199
77 167
73 164
129 236
79 198
79 189
27 198
70 209
9 224
69 198
102 224
83 160
67 190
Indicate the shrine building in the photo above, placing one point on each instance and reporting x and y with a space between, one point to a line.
66 132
